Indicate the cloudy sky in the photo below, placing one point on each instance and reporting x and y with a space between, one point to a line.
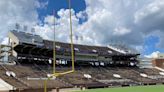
137 23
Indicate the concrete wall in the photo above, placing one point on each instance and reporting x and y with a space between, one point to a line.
14 41
4 86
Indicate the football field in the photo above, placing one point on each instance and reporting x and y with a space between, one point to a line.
156 88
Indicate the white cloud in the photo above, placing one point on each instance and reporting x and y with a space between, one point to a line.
110 20
49 20
127 21
16 11
151 9
121 31
153 55
107 20
5 41
42 5
149 20
62 28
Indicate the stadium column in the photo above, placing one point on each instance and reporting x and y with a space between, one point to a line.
10 47
8 52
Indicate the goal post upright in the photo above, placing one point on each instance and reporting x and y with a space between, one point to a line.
55 73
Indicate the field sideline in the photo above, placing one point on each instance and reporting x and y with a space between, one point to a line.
156 88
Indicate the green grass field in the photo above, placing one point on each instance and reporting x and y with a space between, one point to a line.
156 88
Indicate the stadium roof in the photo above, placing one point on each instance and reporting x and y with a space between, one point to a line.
28 38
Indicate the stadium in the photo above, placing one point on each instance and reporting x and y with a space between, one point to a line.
31 63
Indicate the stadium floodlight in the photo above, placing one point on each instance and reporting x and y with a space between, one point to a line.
17 26
33 31
25 28
56 74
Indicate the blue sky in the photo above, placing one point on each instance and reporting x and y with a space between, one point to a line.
150 45
56 5
137 23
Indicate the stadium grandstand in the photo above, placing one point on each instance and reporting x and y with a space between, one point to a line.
28 60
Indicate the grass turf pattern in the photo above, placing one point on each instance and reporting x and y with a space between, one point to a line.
156 88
